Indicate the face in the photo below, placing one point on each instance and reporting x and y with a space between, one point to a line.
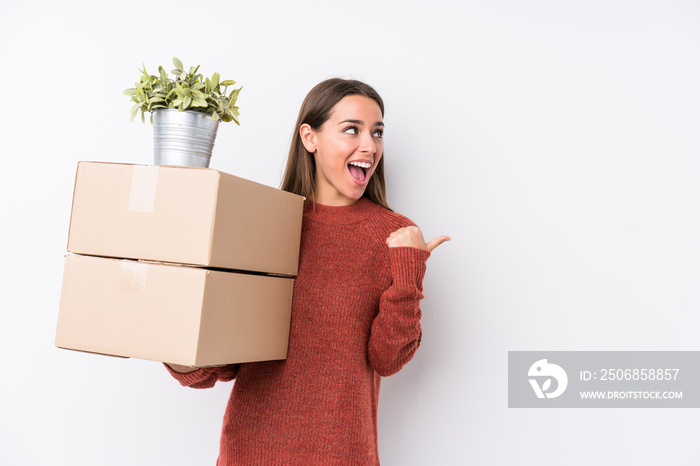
347 149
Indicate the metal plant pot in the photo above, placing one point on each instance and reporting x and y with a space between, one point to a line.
183 138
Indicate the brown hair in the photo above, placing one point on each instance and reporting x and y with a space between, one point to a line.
300 174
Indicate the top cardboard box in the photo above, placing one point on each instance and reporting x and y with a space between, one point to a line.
196 216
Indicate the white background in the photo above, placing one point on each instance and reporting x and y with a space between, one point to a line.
555 141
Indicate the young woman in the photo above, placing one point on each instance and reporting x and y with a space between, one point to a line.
355 309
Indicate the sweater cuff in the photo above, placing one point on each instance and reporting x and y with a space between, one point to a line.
408 266
189 378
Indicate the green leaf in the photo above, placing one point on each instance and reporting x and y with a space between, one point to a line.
215 78
187 101
199 102
233 97
228 82
178 64
134 111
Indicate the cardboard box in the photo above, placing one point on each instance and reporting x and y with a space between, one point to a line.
195 216
172 313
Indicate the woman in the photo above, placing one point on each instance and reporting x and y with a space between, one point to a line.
355 309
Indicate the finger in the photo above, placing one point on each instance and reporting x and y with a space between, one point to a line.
407 236
436 242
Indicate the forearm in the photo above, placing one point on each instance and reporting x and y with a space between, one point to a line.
396 330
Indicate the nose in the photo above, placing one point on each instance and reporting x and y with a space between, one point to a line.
367 143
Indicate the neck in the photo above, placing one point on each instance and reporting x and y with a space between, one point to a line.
356 212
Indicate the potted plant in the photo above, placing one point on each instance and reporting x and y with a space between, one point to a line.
185 111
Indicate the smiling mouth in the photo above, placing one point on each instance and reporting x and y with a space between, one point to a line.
358 170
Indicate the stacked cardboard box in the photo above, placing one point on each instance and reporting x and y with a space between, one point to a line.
190 266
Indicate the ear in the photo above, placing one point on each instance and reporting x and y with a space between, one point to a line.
308 137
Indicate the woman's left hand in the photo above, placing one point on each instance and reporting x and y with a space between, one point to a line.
413 238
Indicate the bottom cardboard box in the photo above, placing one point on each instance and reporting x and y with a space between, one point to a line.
172 313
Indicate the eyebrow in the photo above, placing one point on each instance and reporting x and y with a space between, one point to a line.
358 122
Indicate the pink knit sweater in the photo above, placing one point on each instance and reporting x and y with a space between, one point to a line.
355 318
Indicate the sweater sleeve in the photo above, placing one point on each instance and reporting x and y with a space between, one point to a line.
396 330
205 377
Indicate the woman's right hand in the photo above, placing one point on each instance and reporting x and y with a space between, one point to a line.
411 236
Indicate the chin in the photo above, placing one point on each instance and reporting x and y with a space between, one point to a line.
355 196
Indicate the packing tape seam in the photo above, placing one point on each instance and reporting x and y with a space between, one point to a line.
133 276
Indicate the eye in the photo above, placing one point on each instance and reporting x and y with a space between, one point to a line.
350 130
379 133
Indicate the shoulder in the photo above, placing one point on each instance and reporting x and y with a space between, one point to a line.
385 221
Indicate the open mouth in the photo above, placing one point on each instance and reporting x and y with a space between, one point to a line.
359 170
